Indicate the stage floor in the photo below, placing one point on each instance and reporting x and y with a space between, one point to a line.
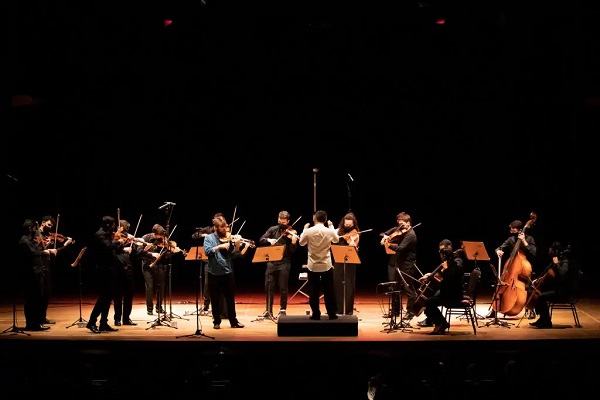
181 319
184 355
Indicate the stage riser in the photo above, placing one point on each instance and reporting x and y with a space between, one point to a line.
302 325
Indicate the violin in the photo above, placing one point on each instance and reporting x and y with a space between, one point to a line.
58 237
229 238
289 232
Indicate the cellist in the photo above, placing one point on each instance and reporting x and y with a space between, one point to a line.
559 283
527 247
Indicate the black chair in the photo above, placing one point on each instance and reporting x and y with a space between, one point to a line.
571 302
466 307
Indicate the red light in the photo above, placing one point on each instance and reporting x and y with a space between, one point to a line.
168 22
440 21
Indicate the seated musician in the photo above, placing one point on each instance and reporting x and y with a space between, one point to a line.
450 276
558 283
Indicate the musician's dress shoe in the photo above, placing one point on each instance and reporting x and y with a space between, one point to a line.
129 322
107 328
93 328
36 327
541 324
426 323
217 326
491 314
440 329
48 322
117 323
237 324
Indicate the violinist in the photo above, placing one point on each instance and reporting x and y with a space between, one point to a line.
130 255
50 239
34 275
402 240
449 275
557 284
105 247
344 274
199 236
221 253
153 268
526 245
277 273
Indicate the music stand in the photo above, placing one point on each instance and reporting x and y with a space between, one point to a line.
344 255
389 289
475 251
268 254
197 254
80 322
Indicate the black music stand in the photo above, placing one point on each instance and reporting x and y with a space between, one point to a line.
475 251
268 254
81 323
389 289
345 255
197 254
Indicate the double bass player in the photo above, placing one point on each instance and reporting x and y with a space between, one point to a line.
520 239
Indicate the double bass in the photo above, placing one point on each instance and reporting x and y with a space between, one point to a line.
511 295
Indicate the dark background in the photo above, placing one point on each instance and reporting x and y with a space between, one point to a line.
465 125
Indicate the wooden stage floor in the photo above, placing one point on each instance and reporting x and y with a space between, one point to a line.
241 358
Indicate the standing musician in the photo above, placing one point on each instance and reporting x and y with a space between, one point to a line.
32 255
199 236
401 265
153 268
50 240
277 273
344 280
559 283
131 254
221 250
526 246
450 275
104 246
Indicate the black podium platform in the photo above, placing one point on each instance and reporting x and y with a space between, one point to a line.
302 325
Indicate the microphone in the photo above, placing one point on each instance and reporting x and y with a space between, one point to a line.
167 203
350 176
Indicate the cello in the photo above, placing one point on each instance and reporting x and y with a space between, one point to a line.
511 295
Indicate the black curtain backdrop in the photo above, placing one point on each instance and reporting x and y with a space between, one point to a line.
466 124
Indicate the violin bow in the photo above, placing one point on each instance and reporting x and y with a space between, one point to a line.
56 230
239 230
233 218
138 225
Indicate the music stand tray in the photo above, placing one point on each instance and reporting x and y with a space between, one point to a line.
196 253
268 253
345 254
475 251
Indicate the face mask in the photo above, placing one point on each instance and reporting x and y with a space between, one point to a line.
282 226
47 229
348 228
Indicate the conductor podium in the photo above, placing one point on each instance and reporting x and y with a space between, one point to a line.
302 325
